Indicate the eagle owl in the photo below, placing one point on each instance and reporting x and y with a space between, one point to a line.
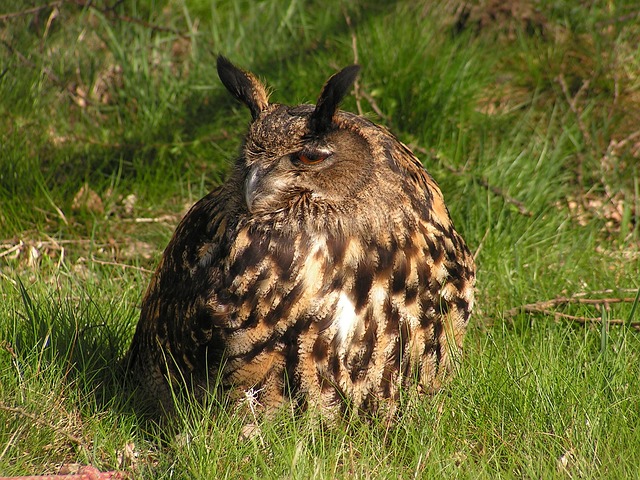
325 271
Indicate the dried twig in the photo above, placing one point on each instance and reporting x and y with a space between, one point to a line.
522 209
620 19
545 307
606 291
169 218
585 320
481 244
11 249
6 16
520 206
110 13
573 105
123 265
375 107
354 47
556 302
40 421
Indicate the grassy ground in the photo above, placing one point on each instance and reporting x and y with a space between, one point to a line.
113 121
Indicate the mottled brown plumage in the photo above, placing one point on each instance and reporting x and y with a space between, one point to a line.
325 271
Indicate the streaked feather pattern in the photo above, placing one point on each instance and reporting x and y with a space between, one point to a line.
331 283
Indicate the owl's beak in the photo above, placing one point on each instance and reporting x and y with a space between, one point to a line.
264 187
252 185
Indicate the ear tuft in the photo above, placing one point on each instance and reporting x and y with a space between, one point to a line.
243 85
332 94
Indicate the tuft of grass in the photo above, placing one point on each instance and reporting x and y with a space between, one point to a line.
113 122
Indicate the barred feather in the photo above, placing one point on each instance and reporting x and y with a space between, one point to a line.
332 285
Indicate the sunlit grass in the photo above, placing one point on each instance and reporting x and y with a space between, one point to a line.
111 127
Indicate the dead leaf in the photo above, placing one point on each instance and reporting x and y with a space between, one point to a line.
566 461
69 469
128 456
129 204
33 256
87 200
137 249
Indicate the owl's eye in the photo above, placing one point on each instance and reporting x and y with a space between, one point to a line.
311 156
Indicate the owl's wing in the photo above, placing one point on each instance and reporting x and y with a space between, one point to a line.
450 264
183 303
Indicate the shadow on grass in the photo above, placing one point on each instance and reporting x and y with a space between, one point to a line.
82 340
78 342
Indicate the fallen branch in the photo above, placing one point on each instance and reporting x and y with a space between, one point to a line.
110 13
169 218
546 308
375 107
116 264
509 199
556 302
520 206
481 244
52 77
42 422
604 292
6 16
354 48
573 105
584 320
11 249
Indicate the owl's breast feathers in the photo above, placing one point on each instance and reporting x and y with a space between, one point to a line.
325 271
314 315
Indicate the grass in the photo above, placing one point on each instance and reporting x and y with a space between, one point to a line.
112 122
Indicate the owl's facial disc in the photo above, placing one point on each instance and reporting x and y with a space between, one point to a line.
263 185
270 185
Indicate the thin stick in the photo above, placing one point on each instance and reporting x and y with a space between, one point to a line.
556 302
375 107
123 265
481 244
161 219
604 292
585 320
108 12
17 246
509 199
545 307
6 16
573 105
522 209
354 48
23 413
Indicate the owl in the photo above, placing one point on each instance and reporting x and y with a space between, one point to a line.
325 273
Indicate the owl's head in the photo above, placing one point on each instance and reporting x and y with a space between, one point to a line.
315 159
